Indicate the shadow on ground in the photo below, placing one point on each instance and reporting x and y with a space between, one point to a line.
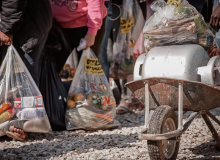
131 119
63 143
205 150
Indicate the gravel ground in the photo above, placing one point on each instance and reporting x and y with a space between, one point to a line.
122 143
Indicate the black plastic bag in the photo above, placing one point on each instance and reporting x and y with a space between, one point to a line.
54 93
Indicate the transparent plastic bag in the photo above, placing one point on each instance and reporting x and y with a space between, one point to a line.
69 69
91 104
176 24
20 99
131 25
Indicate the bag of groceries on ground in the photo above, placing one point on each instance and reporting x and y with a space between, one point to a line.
176 22
21 103
131 25
91 104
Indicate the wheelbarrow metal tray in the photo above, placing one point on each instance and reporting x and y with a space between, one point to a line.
197 96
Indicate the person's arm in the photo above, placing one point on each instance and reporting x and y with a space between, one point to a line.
215 18
95 16
11 19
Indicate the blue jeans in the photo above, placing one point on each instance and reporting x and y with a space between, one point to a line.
216 3
103 58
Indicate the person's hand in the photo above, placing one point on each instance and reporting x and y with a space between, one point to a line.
215 18
5 39
90 40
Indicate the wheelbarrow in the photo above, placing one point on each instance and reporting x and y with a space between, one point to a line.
175 78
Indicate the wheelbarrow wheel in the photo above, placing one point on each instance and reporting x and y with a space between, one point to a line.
163 120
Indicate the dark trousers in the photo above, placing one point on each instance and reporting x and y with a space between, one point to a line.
73 37
198 4
36 56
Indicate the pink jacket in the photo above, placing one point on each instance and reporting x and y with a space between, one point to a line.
80 13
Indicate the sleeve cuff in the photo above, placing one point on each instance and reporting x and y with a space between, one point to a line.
92 31
3 29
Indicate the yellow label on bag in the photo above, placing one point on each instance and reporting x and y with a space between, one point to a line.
174 2
92 66
126 24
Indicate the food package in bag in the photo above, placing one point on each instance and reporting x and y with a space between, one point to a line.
21 103
91 104
176 22
131 25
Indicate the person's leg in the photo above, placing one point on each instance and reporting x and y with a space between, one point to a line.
76 34
124 105
99 38
128 101
103 57
143 7
117 82
35 56
124 96
116 23
73 37
61 57
80 33
198 4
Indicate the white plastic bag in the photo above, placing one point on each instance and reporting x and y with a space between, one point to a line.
91 104
131 25
19 93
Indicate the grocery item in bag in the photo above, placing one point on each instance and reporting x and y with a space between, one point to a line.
28 102
5 106
30 113
18 90
91 104
176 23
69 69
7 115
131 25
